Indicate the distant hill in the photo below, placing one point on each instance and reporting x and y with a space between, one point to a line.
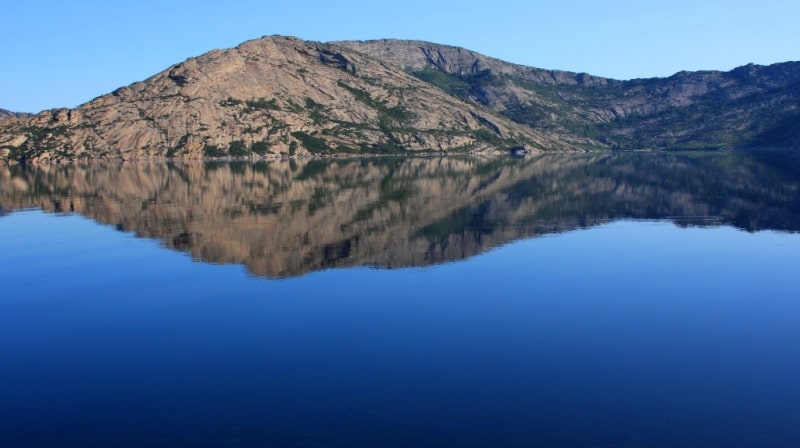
7 114
280 96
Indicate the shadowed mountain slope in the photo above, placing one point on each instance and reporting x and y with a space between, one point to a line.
748 106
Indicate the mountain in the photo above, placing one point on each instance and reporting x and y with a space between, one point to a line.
748 106
271 96
281 96
287 218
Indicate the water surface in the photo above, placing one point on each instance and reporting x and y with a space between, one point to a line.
635 301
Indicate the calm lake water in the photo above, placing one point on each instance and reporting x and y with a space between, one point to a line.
639 300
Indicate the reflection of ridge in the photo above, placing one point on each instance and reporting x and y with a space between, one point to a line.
288 218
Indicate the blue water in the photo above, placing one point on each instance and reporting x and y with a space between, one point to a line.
628 334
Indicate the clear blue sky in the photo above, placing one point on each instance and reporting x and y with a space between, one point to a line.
62 54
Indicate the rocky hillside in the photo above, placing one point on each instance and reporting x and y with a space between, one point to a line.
280 96
748 106
270 96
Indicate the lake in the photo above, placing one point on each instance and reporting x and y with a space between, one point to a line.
597 300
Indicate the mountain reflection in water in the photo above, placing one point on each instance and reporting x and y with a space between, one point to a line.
287 218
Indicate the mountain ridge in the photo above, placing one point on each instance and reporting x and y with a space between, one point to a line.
280 96
756 105
468 62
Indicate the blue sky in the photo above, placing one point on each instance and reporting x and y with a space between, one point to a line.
62 54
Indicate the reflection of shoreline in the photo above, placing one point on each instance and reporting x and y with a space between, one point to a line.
286 218
485 155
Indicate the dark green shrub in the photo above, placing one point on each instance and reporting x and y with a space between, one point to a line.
262 104
213 151
260 148
237 148
231 101
311 143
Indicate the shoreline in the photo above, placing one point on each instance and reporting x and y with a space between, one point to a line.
346 156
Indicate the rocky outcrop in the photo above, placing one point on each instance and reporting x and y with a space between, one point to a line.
274 96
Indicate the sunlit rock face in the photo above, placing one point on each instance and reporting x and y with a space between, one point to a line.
269 97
